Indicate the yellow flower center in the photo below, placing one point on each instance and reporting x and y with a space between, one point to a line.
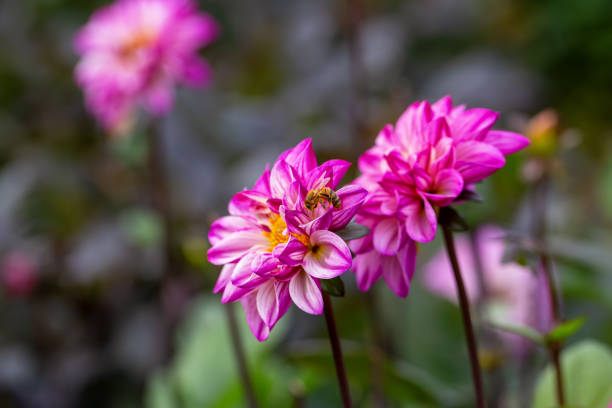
142 39
276 234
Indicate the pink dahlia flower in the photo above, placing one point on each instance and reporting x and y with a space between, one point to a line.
510 292
134 51
278 241
424 162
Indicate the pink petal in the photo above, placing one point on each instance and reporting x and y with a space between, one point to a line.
195 71
477 160
301 157
248 203
268 303
506 142
351 198
362 245
398 270
367 268
259 329
372 161
263 262
338 170
293 252
295 220
436 130
447 187
473 124
322 222
411 126
387 236
159 98
262 184
233 293
329 256
243 276
443 106
224 226
421 220
281 177
235 245
224 277
306 293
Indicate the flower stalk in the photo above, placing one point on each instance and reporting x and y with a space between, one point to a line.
554 347
336 351
243 371
467 320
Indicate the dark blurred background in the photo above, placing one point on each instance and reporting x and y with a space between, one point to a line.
88 316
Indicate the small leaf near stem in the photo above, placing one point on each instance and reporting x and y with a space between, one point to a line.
451 219
523 331
353 231
334 286
564 330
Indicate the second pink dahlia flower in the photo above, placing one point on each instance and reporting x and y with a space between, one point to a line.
424 162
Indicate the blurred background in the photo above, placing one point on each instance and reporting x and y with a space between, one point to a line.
89 315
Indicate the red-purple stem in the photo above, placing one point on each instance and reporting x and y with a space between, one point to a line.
467 320
336 351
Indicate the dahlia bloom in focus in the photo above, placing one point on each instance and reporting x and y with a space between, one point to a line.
133 52
510 293
278 241
423 163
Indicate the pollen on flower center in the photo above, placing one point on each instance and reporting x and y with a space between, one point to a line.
142 39
277 228
277 235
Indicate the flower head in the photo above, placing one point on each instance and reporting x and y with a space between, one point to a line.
509 293
278 241
134 51
424 162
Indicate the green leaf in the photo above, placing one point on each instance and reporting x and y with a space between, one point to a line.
587 373
143 227
450 217
523 331
353 231
334 286
565 329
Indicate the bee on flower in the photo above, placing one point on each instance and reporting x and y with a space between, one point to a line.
277 244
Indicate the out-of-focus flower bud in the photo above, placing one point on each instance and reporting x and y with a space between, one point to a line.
19 276
542 130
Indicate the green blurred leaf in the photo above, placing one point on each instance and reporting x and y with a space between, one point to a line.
523 331
204 372
565 329
194 250
587 369
131 148
143 227
353 231
334 286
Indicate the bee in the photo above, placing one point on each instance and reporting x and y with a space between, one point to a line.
314 197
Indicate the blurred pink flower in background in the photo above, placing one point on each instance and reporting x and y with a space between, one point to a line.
424 162
133 52
19 276
273 248
512 293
